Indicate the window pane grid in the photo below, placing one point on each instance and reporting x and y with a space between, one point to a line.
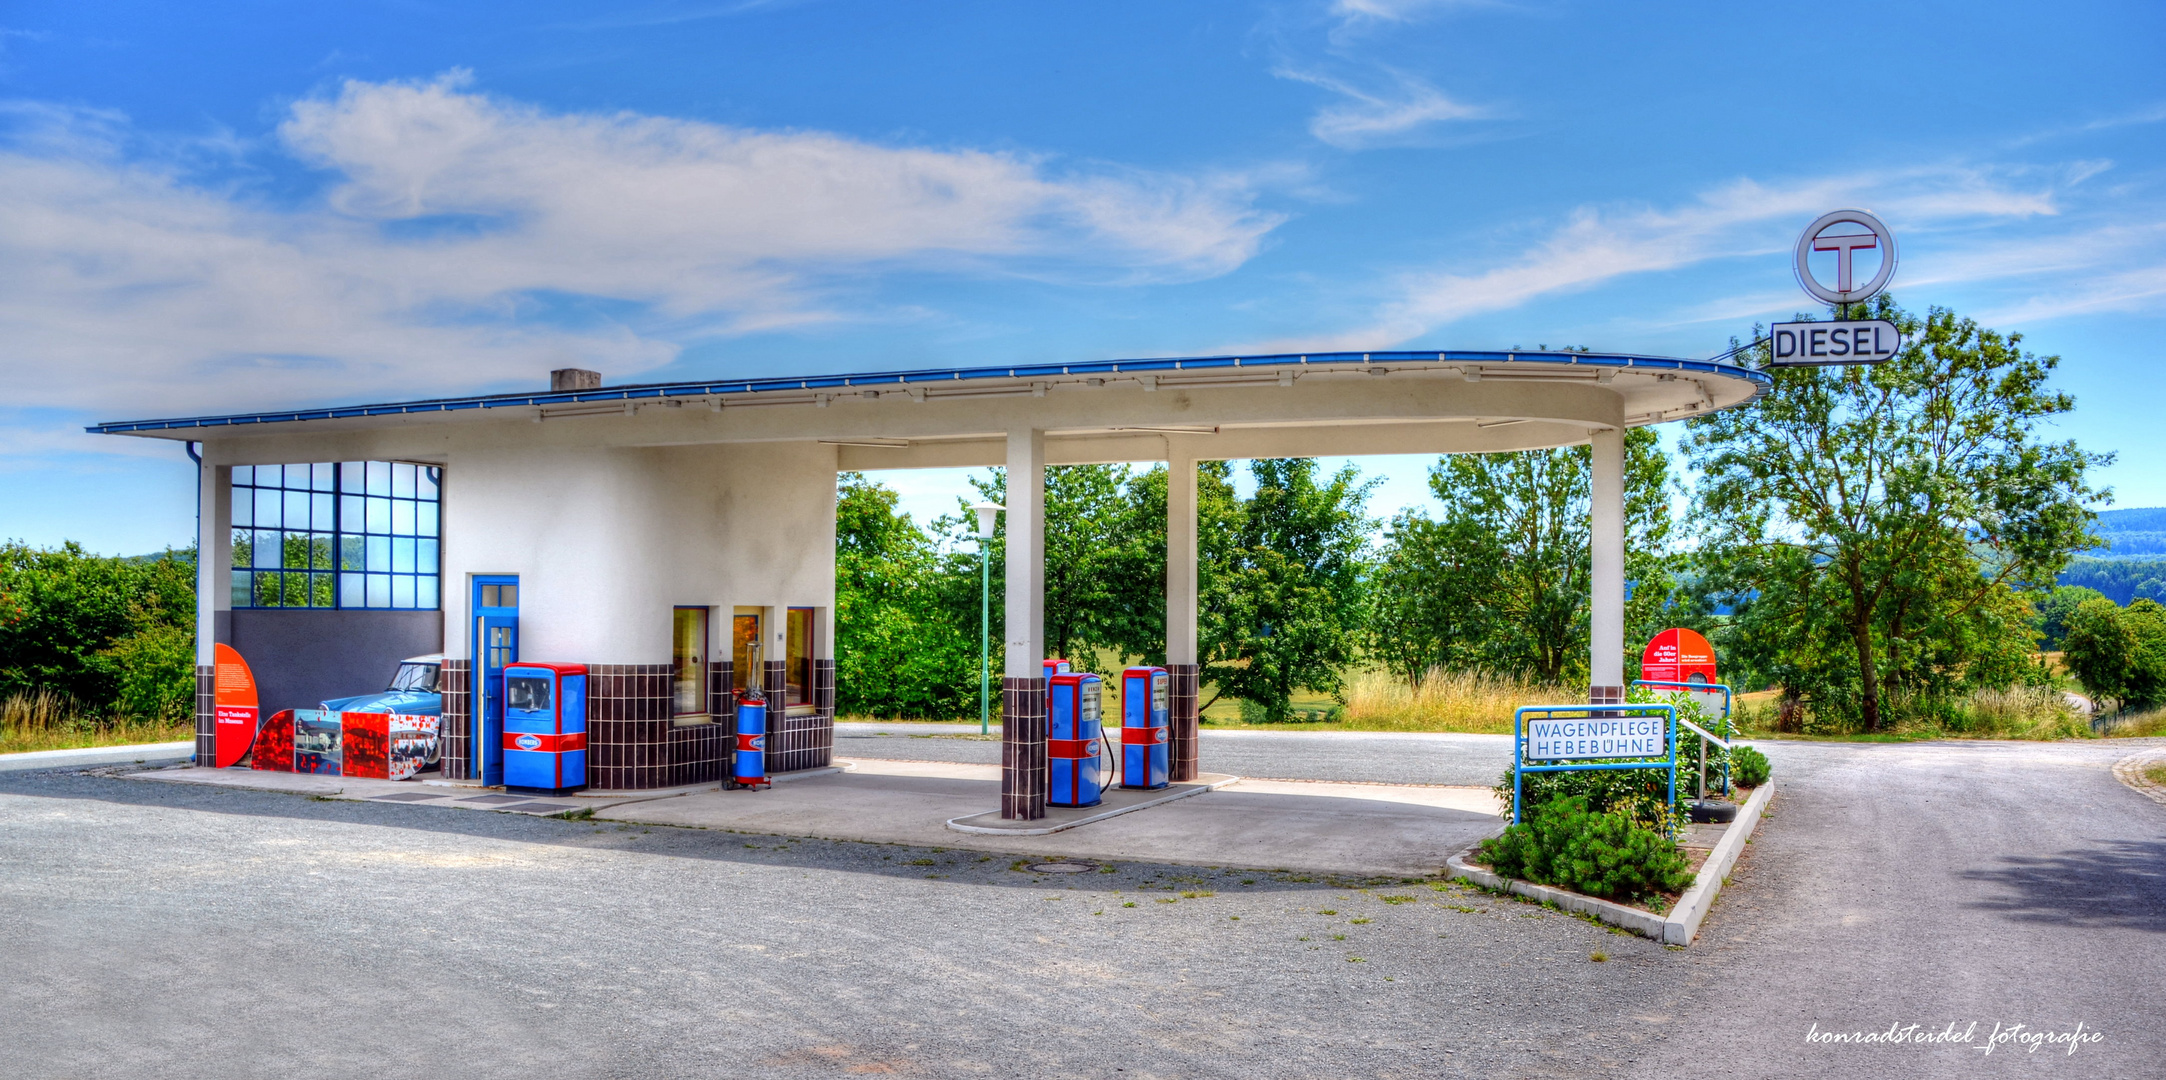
351 534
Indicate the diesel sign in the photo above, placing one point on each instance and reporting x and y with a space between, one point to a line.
1806 344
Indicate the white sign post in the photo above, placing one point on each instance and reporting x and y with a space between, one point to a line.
1841 341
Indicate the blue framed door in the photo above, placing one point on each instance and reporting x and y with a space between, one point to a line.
496 647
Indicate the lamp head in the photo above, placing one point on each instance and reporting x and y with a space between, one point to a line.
985 511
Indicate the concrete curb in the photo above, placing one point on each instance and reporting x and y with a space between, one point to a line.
1171 796
2129 771
145 753
1682 923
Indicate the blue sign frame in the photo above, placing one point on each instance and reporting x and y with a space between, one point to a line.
1519 745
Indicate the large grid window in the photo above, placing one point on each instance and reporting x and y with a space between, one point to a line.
347 534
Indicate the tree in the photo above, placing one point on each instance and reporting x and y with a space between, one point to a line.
1280 591
2055 611
2119 653
1501 580
1105 559
904 646
1884 514
1430 596
106 632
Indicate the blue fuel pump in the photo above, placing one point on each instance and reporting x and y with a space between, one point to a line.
545 726
1056 667
1072 737
1145 711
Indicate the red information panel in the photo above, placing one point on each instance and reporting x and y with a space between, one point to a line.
1678 655
274 743
234 703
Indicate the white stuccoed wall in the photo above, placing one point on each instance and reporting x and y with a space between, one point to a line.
606 542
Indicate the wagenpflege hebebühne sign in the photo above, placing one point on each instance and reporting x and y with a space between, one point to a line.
1843 341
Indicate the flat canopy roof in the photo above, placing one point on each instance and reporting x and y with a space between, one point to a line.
1487 400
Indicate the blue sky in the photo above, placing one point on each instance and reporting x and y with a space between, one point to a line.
227 206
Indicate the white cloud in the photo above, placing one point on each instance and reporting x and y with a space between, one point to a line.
456 224
1369 118
1597 246
1397 10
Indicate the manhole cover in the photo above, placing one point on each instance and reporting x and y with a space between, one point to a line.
1062 868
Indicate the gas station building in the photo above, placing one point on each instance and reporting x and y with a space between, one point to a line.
678 539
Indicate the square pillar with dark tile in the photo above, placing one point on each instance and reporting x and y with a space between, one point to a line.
454 724
1182 686
1023 782
206 714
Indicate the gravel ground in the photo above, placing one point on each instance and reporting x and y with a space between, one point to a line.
181 932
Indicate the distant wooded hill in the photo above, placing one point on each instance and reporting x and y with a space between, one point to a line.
2133 563
2133 533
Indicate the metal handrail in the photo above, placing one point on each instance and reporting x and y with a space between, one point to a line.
1702 688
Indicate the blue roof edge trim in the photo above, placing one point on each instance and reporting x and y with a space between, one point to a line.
1761 382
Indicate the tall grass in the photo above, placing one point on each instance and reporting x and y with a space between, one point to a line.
1444 701
2149 723
43 720
2017 712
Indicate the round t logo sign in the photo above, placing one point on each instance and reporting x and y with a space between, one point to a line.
1821 235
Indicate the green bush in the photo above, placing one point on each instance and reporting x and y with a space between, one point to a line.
1748 767
104 633
1589 852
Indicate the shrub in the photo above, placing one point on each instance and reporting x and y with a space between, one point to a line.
1748 767
1597 854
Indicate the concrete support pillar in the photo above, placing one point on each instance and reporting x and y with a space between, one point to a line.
1182 667
1606 605
1025 596
214 594
1023 782
1180 554
214 557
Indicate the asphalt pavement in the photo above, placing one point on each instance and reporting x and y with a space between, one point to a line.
180 931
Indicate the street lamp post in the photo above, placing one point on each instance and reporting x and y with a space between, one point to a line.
985 511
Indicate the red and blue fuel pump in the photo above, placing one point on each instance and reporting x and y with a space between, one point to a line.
1145 712
545 726
1072 738
748 765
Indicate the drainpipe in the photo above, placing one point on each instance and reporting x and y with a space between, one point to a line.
196 456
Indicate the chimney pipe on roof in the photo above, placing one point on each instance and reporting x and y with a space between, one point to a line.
572 378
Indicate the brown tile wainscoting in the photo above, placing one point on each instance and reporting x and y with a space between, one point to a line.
1022 748
454 728
1181 722
206 714
628 728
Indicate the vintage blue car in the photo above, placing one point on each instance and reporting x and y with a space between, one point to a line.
412 691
